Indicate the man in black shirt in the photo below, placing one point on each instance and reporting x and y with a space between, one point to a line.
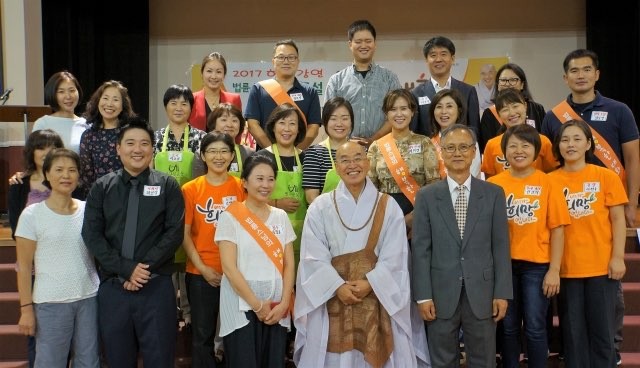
133 224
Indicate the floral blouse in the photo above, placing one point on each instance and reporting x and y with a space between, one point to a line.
98 155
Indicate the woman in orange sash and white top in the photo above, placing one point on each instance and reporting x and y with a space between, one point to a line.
256 251
401 162
447 108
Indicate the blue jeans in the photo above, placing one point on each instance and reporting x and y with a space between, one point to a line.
587 308
59 325
205 305
529 306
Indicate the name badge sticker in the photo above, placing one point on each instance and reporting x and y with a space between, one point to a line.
423 100
599 115
531 122
591 187
151 191
297 96
277 229
175 156
234 167
532 190
226 201
415 148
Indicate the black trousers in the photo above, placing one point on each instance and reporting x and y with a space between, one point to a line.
256 345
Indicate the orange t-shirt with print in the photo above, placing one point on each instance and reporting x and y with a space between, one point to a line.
535 205
493 161
203 205
588 241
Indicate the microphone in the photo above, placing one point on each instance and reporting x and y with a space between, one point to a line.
5 95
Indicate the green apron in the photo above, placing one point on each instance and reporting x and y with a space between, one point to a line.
289 184
238 164
331 179
179 165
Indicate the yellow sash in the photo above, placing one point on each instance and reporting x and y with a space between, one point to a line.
398 167
603 150
279 95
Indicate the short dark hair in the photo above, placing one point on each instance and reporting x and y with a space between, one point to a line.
438 41
331 106
517 70
457 98
136 122
213 137
509 96
281 112
360 25
580 53
39 139
392 96
52 156
92 113
523 132
214 56
222 109
176 91
287 42
254 160
455 127
51 88
587 133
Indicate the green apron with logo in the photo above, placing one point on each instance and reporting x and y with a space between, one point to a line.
289 184
331 179
179 165
238 163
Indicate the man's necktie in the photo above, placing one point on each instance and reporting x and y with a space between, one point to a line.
131 224
461 209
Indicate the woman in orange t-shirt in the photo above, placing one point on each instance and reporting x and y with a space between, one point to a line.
205 198
512 108
593 257
536 231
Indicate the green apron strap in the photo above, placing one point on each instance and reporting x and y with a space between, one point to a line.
274 148
185 138
236 148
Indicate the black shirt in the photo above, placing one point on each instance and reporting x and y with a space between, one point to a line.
160 228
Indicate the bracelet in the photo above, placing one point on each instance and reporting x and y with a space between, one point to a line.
26 305
259 309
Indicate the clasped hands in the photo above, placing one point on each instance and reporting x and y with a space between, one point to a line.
352 292
139 277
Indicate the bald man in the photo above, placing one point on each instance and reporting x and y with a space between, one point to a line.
486 84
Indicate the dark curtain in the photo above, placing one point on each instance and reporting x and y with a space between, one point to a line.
613 32
99 41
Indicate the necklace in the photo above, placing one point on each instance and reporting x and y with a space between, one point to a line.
373 209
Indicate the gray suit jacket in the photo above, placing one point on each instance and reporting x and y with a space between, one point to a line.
441 260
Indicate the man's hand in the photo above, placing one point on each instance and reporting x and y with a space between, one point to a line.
362 288
630 210
129 286
616 268
140 275
289 205
499 309
346 294
427 310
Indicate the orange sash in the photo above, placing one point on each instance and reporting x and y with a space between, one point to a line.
398 167
259 231
603 150
441 169
494 111
279 95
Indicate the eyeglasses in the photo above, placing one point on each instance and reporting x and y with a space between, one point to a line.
346 161
215 152
508 81
462 148
289 58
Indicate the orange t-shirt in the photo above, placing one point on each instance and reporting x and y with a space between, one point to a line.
588 241
493 161
530 215
203 205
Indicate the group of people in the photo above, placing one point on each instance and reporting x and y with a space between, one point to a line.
379 246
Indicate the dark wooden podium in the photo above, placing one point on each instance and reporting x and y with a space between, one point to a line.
11 157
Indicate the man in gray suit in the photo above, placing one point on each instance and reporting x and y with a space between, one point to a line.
461 265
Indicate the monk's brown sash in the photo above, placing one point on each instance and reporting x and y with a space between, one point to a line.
364 326
279 95
603 150
259 231
398 167
494 111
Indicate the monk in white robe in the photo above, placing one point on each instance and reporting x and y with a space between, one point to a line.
328 233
